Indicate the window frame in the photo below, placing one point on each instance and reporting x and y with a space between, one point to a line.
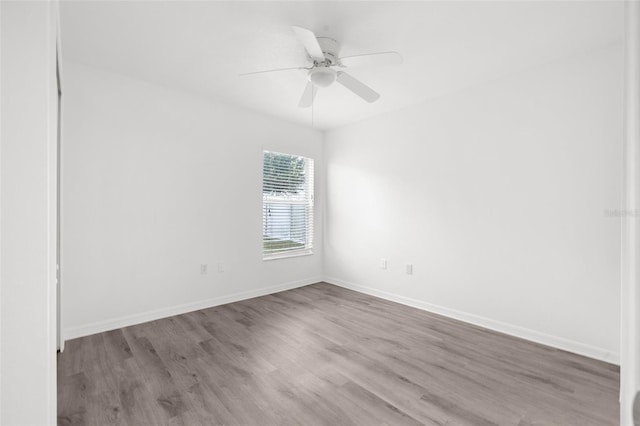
308 203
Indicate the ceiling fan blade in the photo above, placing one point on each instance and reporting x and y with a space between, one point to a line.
357 87
367 59
310 43
278 69
307 96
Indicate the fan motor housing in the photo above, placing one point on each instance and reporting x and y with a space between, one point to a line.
330 48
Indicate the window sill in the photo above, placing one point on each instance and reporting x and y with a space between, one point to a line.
288 255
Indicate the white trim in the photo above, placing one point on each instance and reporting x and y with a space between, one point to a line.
630 271
1 92
288 254
60 78
502 327
115 323
52 210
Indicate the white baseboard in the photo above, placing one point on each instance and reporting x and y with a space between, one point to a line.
115 323
525 333
502 327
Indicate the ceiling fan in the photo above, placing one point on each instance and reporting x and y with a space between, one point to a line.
322 52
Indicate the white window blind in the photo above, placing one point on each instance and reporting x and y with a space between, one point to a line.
287 205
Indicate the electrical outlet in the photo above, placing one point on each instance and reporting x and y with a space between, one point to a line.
203 269
221 267
409 269
383 263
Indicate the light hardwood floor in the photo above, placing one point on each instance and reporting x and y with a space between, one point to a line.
324 355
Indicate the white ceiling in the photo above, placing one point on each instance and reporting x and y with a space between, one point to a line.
202 46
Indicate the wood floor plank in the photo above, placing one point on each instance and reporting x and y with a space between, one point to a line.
324 355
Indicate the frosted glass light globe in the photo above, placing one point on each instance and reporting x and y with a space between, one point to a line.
322 76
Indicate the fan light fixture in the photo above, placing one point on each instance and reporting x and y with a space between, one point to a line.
322 76
322 55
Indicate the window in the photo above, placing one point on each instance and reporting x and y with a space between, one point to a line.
287 205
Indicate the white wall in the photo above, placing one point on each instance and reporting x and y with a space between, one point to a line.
497 196
28 215
157 182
